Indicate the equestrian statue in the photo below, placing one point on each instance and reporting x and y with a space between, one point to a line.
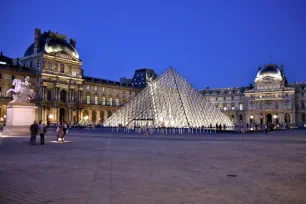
22 91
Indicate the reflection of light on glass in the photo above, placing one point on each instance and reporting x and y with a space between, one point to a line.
51 116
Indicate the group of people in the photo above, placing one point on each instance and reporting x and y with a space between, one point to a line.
61 130
41 129
36 129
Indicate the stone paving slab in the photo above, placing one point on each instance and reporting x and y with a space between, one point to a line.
92 169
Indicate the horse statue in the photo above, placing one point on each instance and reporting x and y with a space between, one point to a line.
22 91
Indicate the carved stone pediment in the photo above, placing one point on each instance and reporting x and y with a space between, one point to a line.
64 55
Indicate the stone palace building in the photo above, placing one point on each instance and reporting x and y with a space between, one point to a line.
63 92
270 100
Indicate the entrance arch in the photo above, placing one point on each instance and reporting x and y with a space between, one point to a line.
62 115
287 118
269 118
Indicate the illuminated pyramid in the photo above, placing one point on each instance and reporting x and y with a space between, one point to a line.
168 101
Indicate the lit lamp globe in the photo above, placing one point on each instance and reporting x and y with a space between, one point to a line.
274 116
50 116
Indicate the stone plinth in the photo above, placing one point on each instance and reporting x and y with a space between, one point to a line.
19 118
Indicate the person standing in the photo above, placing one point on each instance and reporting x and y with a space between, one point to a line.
34 131
266 128
42 131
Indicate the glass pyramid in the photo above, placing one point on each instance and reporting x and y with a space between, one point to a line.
168 101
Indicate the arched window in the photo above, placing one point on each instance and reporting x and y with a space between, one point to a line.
62 68
117 101
49 95
241 118
63 95
88 99
85 113
94 116
287 118
103 101
109 114
96 100
101 116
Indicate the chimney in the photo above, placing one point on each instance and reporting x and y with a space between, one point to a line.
72 42
37 35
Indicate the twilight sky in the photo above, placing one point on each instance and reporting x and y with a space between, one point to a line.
215 43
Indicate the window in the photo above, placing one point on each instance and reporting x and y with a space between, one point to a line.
49 66
233 97
49 95
13 77
63 95
38 64
55 67
96 100
0 76
240 106
31 64
62 68
240 118
103 101
216 98
88 99
224 98
117 102
110 101
0 92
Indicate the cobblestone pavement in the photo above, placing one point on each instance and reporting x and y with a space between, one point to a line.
96 167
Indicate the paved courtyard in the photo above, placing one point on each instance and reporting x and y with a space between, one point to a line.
105 167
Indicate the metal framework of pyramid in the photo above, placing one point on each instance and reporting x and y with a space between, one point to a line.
168 101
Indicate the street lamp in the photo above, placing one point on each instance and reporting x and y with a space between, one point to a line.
251 116
274 116
51 116
86 117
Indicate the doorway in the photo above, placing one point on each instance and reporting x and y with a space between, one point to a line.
62 115
269 118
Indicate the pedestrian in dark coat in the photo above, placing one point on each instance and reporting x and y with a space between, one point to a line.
34 131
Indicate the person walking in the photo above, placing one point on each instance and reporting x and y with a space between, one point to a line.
34 131
266 128
42 130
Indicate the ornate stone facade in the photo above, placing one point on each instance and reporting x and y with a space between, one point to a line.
271 100
63 93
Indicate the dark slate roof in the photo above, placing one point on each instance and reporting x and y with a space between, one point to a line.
105 81
5 59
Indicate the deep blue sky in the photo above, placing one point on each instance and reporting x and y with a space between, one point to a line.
217 43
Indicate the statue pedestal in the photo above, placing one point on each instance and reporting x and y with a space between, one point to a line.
19 118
